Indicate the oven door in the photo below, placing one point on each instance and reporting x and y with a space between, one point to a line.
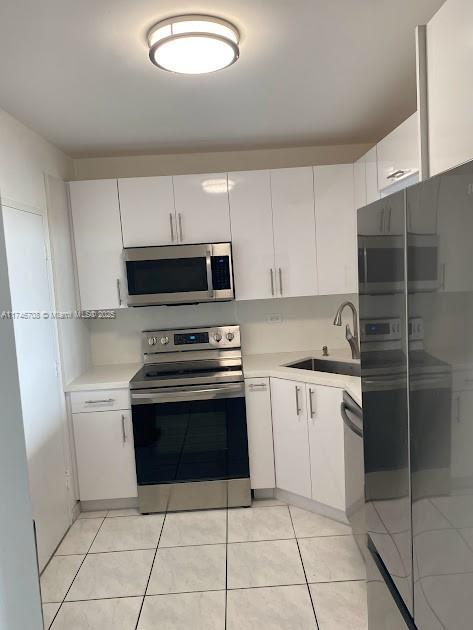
188 434
179 274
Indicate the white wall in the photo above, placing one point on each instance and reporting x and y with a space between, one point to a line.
20 606
183 163
307 323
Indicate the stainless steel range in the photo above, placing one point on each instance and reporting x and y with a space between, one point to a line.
189 421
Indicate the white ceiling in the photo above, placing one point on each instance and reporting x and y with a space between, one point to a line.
310 72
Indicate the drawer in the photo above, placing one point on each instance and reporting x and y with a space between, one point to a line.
100 400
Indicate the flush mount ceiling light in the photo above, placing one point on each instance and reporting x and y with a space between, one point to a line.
193 44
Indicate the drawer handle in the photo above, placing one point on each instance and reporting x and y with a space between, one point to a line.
97 402
258 386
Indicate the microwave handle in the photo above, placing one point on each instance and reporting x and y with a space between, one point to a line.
208 263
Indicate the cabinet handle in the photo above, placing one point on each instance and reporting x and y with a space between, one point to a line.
298 409
280 281
100 402
119 292
458 410
381 221
389 220
179 218
257 386
171 224
272 281
311 402
123 429
396 174
443 277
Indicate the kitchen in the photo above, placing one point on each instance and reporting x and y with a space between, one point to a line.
187 306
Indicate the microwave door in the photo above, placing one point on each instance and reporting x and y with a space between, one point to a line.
381 264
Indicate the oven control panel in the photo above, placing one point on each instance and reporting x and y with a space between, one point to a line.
158 341
388 329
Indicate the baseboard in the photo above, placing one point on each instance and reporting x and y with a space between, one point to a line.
312 506
108 504
264 493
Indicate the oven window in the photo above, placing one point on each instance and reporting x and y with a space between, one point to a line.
190 441
170 275
384 264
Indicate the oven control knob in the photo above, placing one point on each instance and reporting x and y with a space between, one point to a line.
164 341
152 341
217 337
230 336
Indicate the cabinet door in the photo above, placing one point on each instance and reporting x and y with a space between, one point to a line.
337 262
252 235
147 211
326 445
398 153
202 208
371 161
98 243
260 433
292 191
105 455
291 441
359 172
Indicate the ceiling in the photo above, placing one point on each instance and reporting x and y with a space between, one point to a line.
310 72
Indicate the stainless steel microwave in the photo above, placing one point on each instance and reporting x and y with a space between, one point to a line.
381 263
179 274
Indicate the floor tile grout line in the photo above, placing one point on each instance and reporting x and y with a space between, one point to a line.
305 574
151 572
77 572
226 571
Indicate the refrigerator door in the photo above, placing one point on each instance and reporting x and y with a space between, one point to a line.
385 404
441 405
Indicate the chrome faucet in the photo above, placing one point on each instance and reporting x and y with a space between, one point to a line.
352 338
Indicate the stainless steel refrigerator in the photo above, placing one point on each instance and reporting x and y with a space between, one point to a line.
415 257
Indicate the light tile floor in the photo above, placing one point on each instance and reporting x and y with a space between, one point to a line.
271 567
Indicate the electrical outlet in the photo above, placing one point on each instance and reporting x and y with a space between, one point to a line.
274 318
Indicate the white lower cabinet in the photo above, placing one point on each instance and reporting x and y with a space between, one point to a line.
326 444
291 440
309 441
260 433
105 455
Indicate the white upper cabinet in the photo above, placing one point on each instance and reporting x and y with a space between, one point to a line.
359 173
98 243
326 441
252 235
292 191
147 211
291 442
202 208
336 229
398 153
371 161
450 85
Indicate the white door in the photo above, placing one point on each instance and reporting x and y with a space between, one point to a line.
291 440
292 191
398 153
252 235
98 243
41 396
326 441
105 455
260 432
337 257
202 208
147 211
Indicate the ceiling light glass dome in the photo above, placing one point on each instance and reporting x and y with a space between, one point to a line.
193 44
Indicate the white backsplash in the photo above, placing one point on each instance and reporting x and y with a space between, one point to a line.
305 323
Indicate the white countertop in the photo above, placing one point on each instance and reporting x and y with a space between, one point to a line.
113 376
118 375
274 364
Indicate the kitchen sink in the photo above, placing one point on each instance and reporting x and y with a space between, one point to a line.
322 365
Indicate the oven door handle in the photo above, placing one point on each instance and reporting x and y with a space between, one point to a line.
152 396
349 423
